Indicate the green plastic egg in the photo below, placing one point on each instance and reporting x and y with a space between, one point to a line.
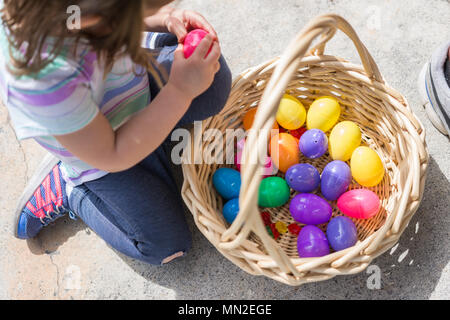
273 192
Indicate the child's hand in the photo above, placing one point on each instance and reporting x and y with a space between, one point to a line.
180 22
195 75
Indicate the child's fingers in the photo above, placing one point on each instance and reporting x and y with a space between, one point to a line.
203 47
196 20
178 53
176 27
214 55
217 67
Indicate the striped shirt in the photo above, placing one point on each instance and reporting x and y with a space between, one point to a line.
66 95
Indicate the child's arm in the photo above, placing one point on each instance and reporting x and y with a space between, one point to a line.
98 145
178 22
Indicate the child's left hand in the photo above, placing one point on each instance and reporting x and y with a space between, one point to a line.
180 22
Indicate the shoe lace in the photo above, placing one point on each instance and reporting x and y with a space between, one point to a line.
57 212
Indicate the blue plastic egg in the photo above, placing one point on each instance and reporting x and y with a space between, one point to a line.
336 177
313 143
341 233
227 182
303 177
231 210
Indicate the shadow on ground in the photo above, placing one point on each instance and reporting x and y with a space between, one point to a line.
51 238
411 269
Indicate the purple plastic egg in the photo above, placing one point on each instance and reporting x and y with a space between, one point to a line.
309 208
336 177
341 233
312 242
303 177
313 143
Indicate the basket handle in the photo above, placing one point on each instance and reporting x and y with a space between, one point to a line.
249 218
334 22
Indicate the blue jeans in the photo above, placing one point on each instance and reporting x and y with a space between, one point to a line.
139 211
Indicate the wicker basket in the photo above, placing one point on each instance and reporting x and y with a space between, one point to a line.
387 125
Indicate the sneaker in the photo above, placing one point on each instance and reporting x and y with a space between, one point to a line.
43 201
434 89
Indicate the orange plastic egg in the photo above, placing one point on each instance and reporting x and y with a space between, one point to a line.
249 117
284 151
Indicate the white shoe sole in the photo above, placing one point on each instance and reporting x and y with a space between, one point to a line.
42 171
425 102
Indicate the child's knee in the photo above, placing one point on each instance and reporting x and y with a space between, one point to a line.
222 82
217 95
167 251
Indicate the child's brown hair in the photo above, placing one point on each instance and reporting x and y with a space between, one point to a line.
30 23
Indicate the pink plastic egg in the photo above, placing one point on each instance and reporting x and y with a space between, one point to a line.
240 144
192 40
268 167
359 203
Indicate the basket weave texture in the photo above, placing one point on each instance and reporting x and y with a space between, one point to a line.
387 124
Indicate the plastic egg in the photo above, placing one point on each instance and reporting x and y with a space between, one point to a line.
238 160
341 233
268 169
303 177
367 168
336 177
227 182
313 143
284 151
309 208
231 210
192 40
291 113
323 113
249 117
344 139
359 203
273 192
240 144
312 242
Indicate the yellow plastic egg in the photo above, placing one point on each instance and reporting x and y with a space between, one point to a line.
323 113
344 139
291 113
366 166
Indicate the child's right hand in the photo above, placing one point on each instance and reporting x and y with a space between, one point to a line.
194 75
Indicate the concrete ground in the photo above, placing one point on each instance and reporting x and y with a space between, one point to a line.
68 261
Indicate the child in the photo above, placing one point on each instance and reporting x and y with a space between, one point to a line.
104 108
